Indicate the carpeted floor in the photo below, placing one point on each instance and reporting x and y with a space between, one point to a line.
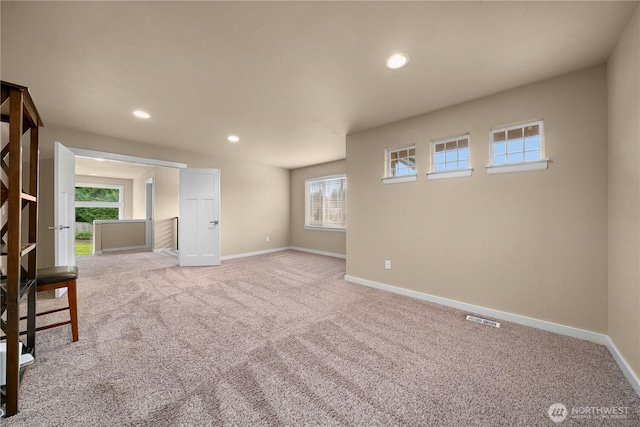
282 339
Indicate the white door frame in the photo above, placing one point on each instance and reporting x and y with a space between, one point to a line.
64 210
64 227
148 203
125 158
121 158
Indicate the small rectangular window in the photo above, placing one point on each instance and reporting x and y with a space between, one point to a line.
450 158
326 203
451 154
517 144
401 162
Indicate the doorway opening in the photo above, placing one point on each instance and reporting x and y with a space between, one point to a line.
115 199
95 202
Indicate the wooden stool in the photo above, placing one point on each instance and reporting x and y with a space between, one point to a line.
49 279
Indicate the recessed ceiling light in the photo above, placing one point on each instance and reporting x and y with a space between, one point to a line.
100 160
141 114
93 174
233 138
397 61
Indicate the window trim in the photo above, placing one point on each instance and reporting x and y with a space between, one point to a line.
526 165
531 165
393 179
119 204
399 179
451 173
306 203
457 173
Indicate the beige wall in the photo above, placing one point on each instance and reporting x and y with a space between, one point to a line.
326 241
139 197
110 236
529 243
624 194
46 243
254 198
126 183
166 208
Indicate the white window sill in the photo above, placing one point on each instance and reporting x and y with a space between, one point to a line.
460 173
309 227
399 179
536 165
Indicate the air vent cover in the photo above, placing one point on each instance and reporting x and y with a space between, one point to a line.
483 321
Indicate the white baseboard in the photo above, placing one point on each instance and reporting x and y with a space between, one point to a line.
285 248
489 312
514 318
248 254
128 248
165 250
313 251
624 366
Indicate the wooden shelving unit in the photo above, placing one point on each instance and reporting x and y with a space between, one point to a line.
18 233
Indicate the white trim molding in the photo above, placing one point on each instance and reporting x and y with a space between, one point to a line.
313 251
537 165
489 312
284 248
125 248
249 254
624 366
399 179
311 227
514 318
125 158
459 173
165 250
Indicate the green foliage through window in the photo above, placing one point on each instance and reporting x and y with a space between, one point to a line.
84 235
92 194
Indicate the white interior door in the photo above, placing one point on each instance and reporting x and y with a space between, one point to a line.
65 210
199 229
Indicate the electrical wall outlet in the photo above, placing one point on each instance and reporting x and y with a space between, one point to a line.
387 264
267 238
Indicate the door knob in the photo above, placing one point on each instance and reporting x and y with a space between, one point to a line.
62 227
53 227
214 222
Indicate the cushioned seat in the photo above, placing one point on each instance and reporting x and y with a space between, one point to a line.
57 274
49 279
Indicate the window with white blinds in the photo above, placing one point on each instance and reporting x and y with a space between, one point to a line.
326 203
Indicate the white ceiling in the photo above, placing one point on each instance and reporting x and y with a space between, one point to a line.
291 79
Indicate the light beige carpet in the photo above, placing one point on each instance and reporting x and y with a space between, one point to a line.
282 339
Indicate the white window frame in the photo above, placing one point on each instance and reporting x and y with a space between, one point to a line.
307 206
451 173
119 204
392 179
526 165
